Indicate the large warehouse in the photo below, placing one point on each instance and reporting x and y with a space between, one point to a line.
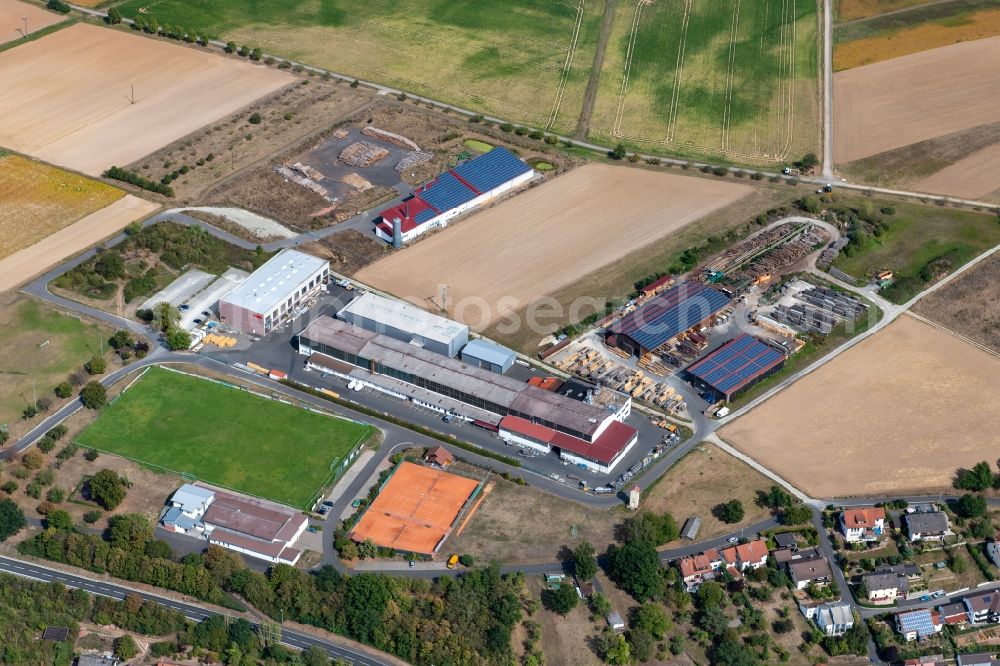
406 322
489 355
423 376
454 192
664 317
273 291
736 366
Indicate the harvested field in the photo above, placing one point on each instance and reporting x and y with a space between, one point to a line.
913 396
36 200
976 176
13 13
592 216
92 70
24 264
852 10
970 304
902 101
347 251
929 27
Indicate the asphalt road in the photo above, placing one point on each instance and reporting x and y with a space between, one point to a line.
192 611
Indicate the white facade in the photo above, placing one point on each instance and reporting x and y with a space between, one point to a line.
598 467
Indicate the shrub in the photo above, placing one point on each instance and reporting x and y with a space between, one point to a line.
43 404
256 54
506 127
254 118
56 495
46 477
132 178
91 454
29 412
95 366
536 134
114 16
92 517
32 460
244 50
551 139
618 153
106 488
10 487
230 47
94 395
64 390
521 131
466 560
58 6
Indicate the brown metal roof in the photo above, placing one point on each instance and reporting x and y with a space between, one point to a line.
252 518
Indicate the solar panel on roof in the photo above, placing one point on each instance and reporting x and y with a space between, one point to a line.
447 193
736 363
919 621
671 313
424 215
491 170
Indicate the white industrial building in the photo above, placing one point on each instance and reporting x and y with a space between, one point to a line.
489 356
273 291
406 323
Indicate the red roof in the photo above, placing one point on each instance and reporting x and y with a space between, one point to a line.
546 383
863 518
406 211
653 286
603 450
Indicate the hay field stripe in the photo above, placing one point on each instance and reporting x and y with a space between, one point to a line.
564 77
636 16
727 111
675 94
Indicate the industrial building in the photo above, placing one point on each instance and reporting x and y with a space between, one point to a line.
454 192
489 356
406 323
736 366
665 317
273 291
247 526
587 432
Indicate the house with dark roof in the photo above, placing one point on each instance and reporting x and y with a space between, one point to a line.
983 607
809 567
885 587
927 526
787 540
954 613
977 659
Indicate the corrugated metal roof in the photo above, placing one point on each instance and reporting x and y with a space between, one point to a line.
275 281
671 313
489 352
491 170
404 317
736 363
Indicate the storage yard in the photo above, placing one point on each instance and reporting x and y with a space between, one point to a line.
584 228
905 100
899 412
95 72
36 200
710 78
811 309
15 16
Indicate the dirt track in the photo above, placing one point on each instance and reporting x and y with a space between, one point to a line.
898 412
897 102
67 96
23 265
12 13
976 176
499 260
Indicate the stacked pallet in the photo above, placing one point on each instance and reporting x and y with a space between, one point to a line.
362 154
413 159
390 137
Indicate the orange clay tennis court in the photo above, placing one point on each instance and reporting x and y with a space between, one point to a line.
415 510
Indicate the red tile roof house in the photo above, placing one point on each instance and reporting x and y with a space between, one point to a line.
698 568
750 555
866 524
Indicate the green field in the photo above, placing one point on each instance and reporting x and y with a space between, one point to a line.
39 348
735 80
918 244
523 60
224 436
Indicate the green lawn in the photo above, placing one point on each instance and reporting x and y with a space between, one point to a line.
736 80
224 436
524 60
919 243
39 348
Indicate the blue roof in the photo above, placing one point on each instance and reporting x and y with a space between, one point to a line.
489 352
671 313
447 192
491 170
425 215
173 516
736 363
919 621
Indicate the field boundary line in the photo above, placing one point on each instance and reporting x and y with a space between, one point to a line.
945 329
564 75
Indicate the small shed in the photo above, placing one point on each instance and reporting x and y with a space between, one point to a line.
440 457
634 494
56 634
787 540
615 622
691 527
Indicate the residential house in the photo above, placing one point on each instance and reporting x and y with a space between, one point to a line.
834 619
696 569
865 524
783 555
993 551
983 607
750 555
918 624
885 587
787 540
926 660
810 568
439 457
96 660
927 526
954 613
911 571
977 659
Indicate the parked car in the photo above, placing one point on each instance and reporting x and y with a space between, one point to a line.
328 503
183 307
926 597
733 539
448 418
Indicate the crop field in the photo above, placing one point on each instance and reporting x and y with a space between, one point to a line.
39 348
975 177
920 244
14 14
504 258
523 60
912 397
917 97
968 305
736 80
37 200
927 27
224 436
852 10
68 97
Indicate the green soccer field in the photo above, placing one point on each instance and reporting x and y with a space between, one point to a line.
225 436
730 79
523 60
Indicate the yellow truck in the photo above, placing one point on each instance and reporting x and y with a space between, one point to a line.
452 561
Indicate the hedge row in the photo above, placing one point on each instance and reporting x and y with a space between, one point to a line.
133 178
427 432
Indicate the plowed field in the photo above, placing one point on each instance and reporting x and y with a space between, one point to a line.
12 19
